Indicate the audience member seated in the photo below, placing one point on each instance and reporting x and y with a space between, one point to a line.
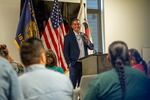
122 82
38 82
19 68
137 62
51 61
9 86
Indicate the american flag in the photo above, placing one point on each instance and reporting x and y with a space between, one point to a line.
53 36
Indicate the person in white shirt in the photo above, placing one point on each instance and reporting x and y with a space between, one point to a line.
39 83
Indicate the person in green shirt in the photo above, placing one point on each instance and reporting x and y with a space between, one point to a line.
122 82
51 62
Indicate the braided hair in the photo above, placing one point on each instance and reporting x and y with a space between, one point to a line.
119 57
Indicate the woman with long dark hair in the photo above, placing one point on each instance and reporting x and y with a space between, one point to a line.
137 61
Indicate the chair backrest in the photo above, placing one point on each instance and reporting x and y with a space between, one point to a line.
85 80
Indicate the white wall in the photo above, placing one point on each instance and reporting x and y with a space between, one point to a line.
127 20
9 17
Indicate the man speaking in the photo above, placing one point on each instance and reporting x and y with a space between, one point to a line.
76 45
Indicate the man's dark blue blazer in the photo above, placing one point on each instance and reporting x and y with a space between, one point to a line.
71 48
